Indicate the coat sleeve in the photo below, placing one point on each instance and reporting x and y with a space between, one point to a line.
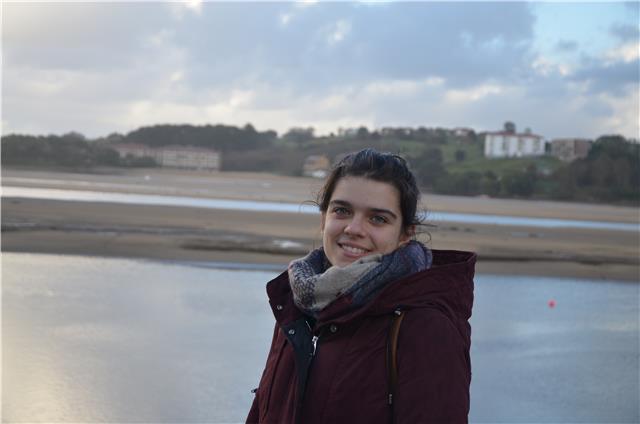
434 370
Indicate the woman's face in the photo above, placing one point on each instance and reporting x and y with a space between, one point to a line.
363 218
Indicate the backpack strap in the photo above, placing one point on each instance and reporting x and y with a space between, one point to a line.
392 356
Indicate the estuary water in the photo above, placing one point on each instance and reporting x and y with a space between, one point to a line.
435 217
90 339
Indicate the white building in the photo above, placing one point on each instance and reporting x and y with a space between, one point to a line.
504 144
176 156
188 157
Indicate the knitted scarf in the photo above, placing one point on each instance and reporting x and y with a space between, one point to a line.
316 284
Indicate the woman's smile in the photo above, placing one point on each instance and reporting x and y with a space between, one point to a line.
353 250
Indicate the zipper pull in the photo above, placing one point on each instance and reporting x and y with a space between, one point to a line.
314 340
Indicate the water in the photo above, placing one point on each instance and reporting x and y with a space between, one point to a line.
147 199
88 339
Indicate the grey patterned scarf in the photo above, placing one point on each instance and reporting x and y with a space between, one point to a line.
316 284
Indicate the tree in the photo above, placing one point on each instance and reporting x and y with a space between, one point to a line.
105 156
614 146
520 184
429 166
490 185
461 184
440 136
299 135
362 133
509 127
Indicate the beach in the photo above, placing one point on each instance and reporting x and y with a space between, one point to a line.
252 237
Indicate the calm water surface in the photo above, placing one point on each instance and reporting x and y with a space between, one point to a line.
436 217
89 339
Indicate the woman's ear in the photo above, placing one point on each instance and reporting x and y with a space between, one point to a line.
407 235
322 216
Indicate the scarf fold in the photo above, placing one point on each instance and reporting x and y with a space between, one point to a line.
316 284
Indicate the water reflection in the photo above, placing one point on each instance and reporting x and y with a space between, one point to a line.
90 339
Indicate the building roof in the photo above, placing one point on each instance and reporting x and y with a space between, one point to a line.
513 134
187 148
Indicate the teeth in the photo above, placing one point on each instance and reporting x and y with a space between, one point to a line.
353 250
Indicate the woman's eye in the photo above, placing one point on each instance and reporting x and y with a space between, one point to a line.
340 211
377 219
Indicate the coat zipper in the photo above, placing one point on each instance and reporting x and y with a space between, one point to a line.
314 342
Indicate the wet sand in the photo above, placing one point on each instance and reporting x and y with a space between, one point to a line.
194 234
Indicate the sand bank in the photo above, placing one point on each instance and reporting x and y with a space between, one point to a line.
193 234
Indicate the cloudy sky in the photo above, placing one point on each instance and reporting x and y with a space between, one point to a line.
562 69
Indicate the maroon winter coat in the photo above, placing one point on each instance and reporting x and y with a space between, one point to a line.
343 378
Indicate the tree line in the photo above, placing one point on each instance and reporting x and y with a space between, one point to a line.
610 173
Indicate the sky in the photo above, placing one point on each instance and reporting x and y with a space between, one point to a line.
560 69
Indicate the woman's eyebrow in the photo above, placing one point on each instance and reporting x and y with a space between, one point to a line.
384 211
374 210
340 202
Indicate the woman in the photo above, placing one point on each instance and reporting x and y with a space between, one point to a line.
372 327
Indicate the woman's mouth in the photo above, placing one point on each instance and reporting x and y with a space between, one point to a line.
352 250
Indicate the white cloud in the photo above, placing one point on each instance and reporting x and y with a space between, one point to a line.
179 9
333 102
495 44
144 112
625 117
338 31
547 67
97 68
241 98
473 94
401 87
194 5
177 76
285 18
305 3
625 53
160 38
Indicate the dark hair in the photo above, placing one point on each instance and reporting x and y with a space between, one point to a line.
378 166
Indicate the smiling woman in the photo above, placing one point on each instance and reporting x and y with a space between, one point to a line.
373 326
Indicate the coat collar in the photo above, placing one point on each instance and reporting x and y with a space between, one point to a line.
447 285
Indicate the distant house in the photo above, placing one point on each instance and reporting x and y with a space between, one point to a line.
570 149
509 144
177 156
462 131
316 166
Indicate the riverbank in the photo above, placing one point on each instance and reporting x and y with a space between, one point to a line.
213 235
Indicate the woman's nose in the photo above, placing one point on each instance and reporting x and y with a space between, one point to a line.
355 227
